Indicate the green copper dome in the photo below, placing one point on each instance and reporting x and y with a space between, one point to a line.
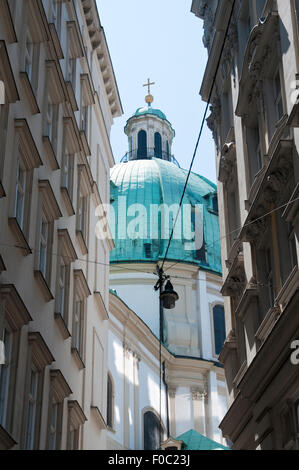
149 110
139 186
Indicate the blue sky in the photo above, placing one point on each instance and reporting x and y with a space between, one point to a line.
162 40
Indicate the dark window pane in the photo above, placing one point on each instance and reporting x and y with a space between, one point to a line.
219 327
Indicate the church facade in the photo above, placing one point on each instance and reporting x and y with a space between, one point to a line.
157 392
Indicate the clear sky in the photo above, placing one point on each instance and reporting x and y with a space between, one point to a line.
160 40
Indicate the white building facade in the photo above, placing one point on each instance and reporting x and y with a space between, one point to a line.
254 120
61 99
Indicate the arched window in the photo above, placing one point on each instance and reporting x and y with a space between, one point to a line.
158 145
142 145
153 431
167 150
219 327
110 401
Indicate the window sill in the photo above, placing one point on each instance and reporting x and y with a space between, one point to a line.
62 326
67 201
77 357
50 153
20 236
30 95
82 242
43 285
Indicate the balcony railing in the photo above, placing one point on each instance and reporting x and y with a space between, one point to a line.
148 154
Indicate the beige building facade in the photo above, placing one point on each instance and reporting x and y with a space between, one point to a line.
61 98
254 120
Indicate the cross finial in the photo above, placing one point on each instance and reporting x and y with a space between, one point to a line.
148 84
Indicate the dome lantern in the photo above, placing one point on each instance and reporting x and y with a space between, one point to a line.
149 132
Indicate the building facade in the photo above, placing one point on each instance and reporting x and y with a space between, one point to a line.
180 389
254 120
61 98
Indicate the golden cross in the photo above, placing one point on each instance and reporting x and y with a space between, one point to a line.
148 84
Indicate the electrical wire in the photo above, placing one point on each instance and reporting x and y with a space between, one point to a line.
237 230
142 271
200 131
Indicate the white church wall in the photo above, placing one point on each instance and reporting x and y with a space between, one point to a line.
116 368
183 410
141 298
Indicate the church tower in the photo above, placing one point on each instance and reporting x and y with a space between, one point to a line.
178 387
149 133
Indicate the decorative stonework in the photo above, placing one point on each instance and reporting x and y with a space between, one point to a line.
229 50
214 120
198 394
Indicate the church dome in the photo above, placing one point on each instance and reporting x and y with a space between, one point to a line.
138 188
149 110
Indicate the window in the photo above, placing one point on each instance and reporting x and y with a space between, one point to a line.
78 322
31 58
148 250
254 150
53 425
292 246
55 15
4 111
21 185
232 212
76 419
13 316
45 246
82 214
219 328
269 277
158 145
51 122
110 402
39 356
28 56
68 174
81 292
62 294
73 438
167 150
27 158
66 255
84 118
278 95
32 408
59 390
48 212
70 148
152 430
71 71
142 145
83 197
86 101
5 371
